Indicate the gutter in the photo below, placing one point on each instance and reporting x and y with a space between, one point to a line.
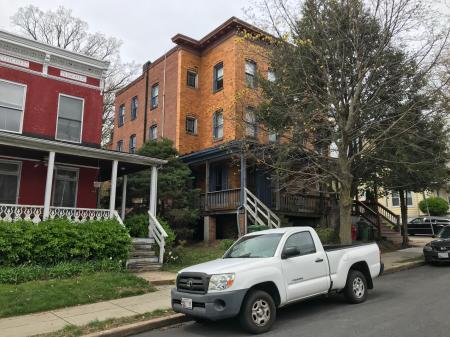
147 67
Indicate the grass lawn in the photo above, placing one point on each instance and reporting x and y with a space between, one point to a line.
197 253
37 296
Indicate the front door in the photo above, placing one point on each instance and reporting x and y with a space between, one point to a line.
307 273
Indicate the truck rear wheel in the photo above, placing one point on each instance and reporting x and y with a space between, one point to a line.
355 290
258 312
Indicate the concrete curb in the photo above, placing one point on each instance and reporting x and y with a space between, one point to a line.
404 266
135 328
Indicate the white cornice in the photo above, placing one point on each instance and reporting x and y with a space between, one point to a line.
27 49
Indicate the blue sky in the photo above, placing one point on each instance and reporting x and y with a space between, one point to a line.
145 27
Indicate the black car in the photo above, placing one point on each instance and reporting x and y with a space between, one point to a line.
439 249
427 225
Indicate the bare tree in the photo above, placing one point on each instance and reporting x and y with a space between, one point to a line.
61 29
344 71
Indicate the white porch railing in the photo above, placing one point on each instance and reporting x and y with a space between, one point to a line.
259 212
156 231
11 212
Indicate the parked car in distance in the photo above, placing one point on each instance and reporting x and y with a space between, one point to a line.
427 225
269 269
438 250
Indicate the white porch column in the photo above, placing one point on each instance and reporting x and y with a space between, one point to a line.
153 190
112 193
124 196
49 184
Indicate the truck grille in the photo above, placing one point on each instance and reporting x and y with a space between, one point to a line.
196 283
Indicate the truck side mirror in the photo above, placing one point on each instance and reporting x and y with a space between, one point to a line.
290 252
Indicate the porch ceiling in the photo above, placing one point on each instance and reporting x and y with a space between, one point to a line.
24 147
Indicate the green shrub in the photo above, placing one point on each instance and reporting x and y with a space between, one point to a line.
137 225
256 228
327 235
226 244
63 270
171 236
435 205
54 241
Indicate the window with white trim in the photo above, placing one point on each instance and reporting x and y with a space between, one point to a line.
9 181
396 199
250 73
121 115
154 99
218 124
132 144
191 125
70 118
251 129
153 132
271 75
12 100
65 187
119 146
134 107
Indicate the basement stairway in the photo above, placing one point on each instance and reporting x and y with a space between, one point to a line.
143 256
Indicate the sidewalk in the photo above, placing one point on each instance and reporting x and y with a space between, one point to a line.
27 325
49 321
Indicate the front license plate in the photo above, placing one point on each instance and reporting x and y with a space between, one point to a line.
443 255
186 303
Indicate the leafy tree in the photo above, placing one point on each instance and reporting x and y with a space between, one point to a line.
176 195
434 206
341 78
61 29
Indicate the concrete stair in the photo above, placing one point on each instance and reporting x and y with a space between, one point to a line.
142 256
390 234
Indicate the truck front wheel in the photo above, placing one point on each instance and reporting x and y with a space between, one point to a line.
355 290
258 312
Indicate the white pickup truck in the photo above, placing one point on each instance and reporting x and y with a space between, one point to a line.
269 269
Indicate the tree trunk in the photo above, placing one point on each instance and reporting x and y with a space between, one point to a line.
404 217
345 213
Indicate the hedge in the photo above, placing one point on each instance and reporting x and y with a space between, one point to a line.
63 270
60 240
435 205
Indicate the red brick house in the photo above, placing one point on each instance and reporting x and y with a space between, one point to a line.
51 160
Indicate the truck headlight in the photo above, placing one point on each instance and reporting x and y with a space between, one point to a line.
220 282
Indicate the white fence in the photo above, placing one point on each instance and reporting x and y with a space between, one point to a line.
11 212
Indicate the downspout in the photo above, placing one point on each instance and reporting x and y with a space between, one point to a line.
164 98
146 66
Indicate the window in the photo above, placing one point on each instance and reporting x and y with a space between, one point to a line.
121 116
70 118
218 77
273 137
250 122
154 96
132 145
250 73
12 98
134 107
153 132
119 146
303 241
65 188
192 78
9 181
218 125
191 125
271 75
396 199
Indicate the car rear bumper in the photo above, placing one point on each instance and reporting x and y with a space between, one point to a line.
433 256
213 306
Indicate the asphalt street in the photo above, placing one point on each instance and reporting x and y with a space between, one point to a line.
412 303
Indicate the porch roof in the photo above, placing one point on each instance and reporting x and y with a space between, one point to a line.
213 153
25 147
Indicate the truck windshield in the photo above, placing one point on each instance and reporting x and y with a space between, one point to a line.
255 246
